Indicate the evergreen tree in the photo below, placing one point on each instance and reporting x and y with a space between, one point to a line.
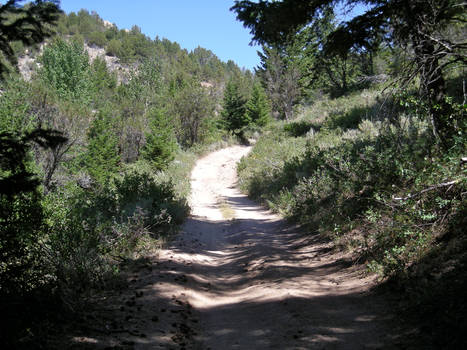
257 107
281 77
101 159
27 24
160 145
234 114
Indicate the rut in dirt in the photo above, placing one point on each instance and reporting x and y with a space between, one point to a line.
252 281
239 277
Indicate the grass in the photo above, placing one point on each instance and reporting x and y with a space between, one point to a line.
226 210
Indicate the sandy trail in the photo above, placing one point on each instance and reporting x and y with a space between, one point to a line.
239 277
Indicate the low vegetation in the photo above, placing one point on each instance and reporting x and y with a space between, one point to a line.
369 176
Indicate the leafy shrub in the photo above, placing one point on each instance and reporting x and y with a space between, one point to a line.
349 120
261 173
138 188
193 109
87 229
15 107
343 184
21 220
114 48
21 214
75 250
297 129
97 38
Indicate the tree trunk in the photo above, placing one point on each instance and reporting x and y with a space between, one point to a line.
433 87
344 76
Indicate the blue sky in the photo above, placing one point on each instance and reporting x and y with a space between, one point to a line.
191 23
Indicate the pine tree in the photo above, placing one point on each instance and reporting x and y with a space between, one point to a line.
102 159
257 107
160 144
234 113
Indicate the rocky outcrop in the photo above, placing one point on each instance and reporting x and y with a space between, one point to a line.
27 63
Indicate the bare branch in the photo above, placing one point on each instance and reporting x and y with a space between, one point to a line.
431 188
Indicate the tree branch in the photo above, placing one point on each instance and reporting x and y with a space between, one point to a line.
431 188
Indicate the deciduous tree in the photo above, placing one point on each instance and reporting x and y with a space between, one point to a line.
66 68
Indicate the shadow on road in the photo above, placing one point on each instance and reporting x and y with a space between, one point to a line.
247 284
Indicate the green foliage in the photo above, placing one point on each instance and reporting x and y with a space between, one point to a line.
419 28
21 219
193 110
114 48
282 76
101 159
71 210
335 177
207 66
160 144
257 107
260 173
132 46
21 215
65 67
234 114
145 85
103 80
371 179
299 128
97 38
75 245
14 107
25 24
88 228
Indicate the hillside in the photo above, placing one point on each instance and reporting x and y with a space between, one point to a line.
125 163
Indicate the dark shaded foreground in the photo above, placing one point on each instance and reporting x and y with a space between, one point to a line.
245 284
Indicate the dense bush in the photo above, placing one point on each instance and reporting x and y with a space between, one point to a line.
374 180
88 229
297 129
21 220
97 38
336 181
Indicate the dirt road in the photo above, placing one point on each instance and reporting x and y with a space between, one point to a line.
239 277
